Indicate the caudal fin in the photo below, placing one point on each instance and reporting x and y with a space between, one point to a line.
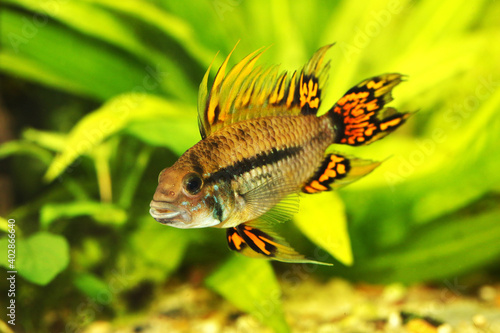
360 118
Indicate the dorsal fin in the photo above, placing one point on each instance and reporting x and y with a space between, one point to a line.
249 92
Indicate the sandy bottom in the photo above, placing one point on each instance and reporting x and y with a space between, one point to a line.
332 306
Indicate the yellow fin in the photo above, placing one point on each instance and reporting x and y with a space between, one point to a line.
249 92
202 99
266 197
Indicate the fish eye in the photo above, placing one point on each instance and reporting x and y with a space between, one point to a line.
193 183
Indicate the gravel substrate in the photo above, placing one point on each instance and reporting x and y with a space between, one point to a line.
324 307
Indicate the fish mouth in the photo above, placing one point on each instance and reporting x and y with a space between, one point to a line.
167 213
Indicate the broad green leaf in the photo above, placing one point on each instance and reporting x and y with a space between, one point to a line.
117 32
445 172
22 147
160 133
4 225
348 31
15 64
442 249
322 219
250 284
443 63
440 21
112 117
40 257
74 14
49 140
153 240
104 213
444 175
60 57
171 25
154 253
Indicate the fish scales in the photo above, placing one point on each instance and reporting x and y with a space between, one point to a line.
263 137
262 143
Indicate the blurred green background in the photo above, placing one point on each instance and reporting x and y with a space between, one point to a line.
98 96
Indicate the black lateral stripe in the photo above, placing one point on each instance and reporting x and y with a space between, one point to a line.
248 164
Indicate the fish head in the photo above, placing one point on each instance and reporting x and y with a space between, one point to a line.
183 200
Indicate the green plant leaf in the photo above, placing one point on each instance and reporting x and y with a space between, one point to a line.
118 32
153 240
4 224
15 64
104 213
155 251
322 219
126 194
49 140
161 132
22 147
171 25
40 257
442 249
112 117
92 286
44 47
250 284
445 174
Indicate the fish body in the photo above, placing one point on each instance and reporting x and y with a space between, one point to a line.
262 143
239 158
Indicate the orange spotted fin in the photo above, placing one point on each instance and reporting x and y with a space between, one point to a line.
337 171
254 239
360 116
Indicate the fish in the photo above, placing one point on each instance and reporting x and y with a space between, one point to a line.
263 145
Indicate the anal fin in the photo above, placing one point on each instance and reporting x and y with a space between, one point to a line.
256 241
337 171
